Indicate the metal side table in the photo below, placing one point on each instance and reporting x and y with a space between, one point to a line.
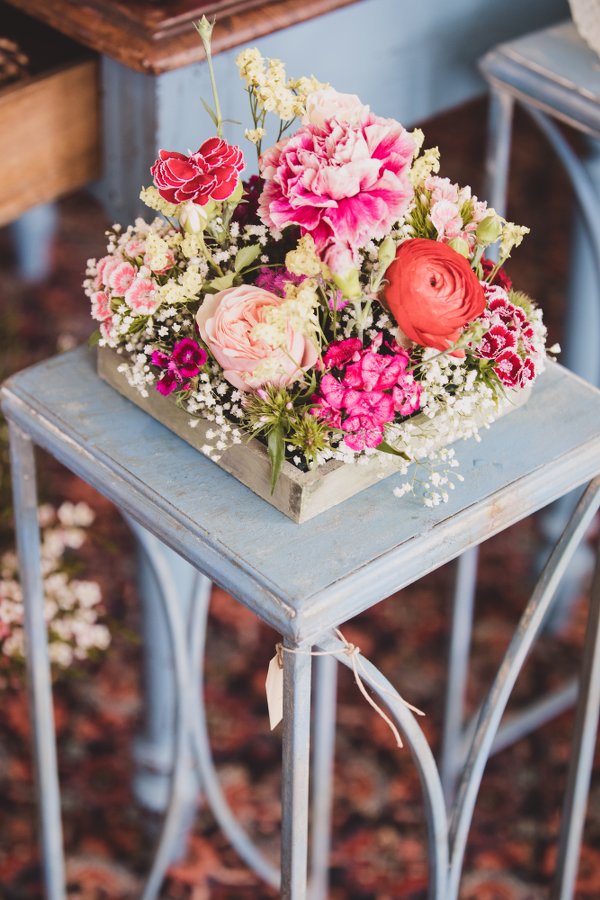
376 544
554 76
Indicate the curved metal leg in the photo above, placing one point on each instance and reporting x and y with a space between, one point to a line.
38 663
582 753
433 797
202 753
176 625
154 746
497 698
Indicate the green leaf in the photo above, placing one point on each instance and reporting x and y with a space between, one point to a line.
94 338
210 111
276 449
387 448
221 282
246 256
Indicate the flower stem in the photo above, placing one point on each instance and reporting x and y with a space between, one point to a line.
204 29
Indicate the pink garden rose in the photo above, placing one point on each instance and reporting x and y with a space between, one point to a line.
211 173
343 183
326 104
226 321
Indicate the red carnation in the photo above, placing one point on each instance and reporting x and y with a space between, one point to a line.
209 174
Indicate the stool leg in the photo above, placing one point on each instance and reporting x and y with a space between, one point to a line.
295 774
322 772
38 663
498 151
32 235
458 669
582 753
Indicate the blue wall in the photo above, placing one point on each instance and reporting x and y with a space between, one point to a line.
407 58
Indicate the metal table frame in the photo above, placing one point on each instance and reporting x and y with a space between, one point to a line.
61 406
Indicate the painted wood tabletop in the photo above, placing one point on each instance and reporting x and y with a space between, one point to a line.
150 38
553 68
304 578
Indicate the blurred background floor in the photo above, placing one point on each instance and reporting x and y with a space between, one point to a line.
378 833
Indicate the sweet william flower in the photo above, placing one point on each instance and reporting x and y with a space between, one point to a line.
188 356
212 173
432 293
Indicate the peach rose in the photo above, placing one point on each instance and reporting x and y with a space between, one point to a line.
432 293
226 321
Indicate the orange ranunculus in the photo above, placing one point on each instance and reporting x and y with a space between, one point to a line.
432 292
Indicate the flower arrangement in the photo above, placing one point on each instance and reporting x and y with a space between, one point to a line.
338 305
72 606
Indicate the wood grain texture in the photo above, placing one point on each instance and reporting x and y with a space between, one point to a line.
50 137
153 39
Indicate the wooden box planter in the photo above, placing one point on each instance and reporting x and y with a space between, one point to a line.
49 121
300 495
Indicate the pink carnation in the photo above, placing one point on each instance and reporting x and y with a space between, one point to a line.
120 278
141 297
105 267
100 306
343 183
212 173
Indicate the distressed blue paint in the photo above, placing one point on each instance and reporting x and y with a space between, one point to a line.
367 548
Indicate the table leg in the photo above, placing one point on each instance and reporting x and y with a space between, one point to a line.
32 235
295 774
322 773
493 707
458 670
38 663
498 151
582 753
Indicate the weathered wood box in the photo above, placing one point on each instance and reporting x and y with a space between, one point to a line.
300 495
